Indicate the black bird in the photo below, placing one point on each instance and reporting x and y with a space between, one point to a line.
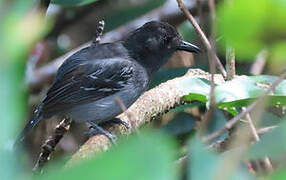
87 83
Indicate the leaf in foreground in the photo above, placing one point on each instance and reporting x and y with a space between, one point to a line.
148 156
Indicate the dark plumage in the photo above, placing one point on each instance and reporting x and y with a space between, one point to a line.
87 82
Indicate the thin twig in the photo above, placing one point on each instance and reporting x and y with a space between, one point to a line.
230 62
259 63
200 14
202 36
234 120
209 113
212 65
212 37
211 4
256 137
252 127
266 129
124 109
49 146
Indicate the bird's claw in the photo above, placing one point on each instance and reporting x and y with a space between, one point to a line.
95 129
119 121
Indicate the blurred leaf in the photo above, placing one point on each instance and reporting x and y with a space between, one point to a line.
164 75
243 13
72 2
267 147
205 164
18 36
134 9
201 159
149 156
20 26
187 31
269 119
18 32
278 175
249 28
217 121
278 55
9 170
180 124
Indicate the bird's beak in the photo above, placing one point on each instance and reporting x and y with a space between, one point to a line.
185 46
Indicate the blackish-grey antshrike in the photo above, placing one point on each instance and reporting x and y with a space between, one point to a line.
87 83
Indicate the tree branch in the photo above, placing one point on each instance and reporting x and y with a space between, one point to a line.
49 146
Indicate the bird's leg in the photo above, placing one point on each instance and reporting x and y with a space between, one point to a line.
119 121
99 31
96 129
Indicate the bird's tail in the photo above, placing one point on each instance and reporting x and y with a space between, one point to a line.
29 126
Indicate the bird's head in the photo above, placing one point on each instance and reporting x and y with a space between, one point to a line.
154 43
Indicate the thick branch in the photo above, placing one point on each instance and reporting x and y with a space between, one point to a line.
151 104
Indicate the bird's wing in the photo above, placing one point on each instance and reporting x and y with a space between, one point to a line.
87 81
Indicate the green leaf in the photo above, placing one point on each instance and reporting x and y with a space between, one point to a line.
201 159
267 147
72 2
148 156
278 55
185 107
187 31
237 89
197 88
20 27
237 93
241 91
182 123
164 75
269 119
247 26
217 121
278 175
205 164
280 90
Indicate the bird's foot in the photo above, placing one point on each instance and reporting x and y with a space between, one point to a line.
119 121
96 129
